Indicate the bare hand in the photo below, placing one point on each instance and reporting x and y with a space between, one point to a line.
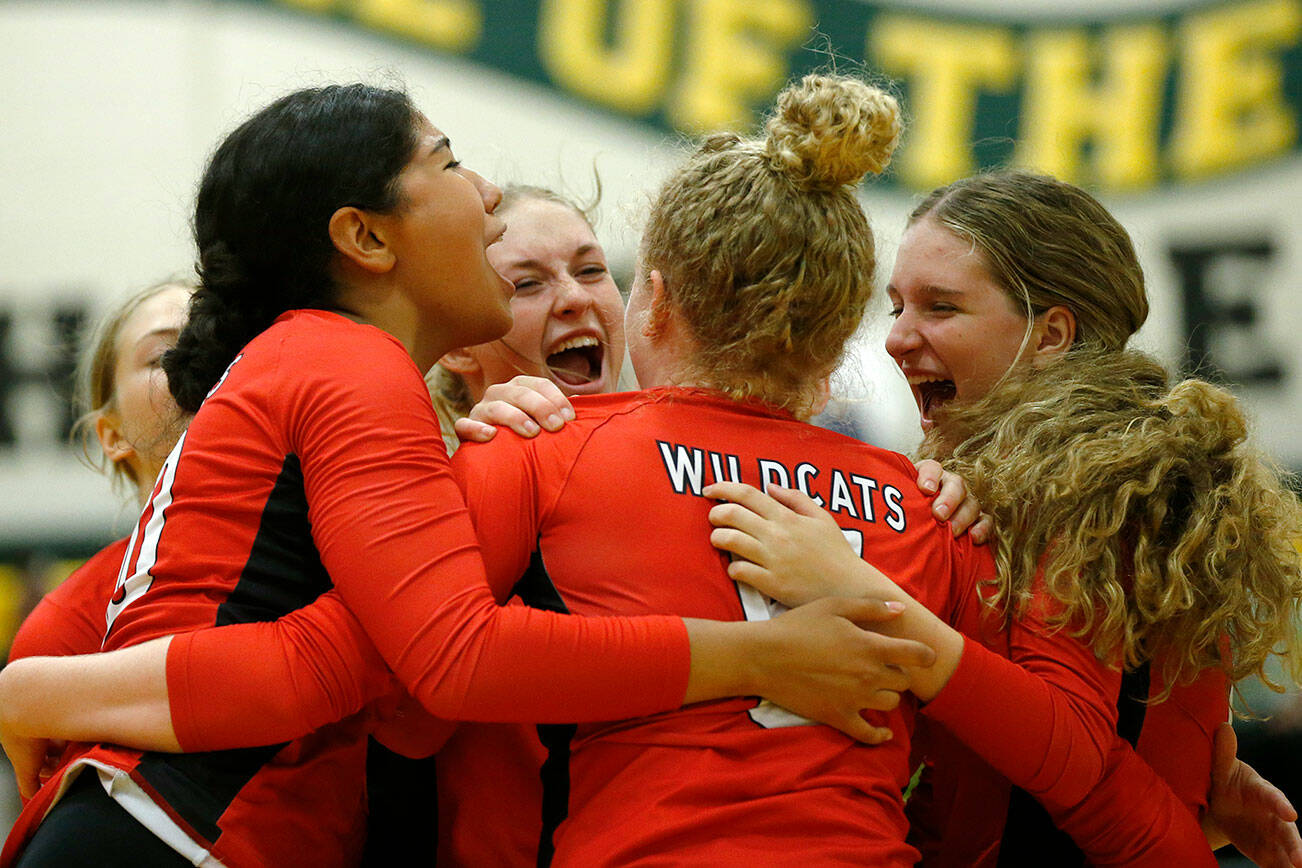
788 546
1248 811
827 668
521 404
30 760
953 502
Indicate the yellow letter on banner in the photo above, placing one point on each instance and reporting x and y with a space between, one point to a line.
452 25
735 57
312 5
630 75
1231 110
946 64
1063 108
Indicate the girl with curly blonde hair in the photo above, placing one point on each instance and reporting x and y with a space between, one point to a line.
1132 514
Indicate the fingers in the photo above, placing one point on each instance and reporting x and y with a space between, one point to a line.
537 398
878 649
738 543
28 775
796 500
967 514
1225 745
745 495
504 415
929 475
983 530
861 730
737 516
893 651
1293 847
470 431
874 611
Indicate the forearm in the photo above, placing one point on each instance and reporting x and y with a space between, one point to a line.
722 659
1133 818
119 696
916 622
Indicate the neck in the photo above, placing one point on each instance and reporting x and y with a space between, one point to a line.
391 312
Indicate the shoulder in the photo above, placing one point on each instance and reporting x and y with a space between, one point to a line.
329 344
320 355
70 618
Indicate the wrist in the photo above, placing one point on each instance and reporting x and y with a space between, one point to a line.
726 659
948 645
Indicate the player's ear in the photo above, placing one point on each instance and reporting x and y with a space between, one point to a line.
1053 334
361 237
658 309
461 362
108 430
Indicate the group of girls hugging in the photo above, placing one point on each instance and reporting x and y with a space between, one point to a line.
619 649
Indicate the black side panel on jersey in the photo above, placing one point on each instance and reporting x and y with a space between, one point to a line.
535 589
402 808
1030 836
283 573
284 570
199 787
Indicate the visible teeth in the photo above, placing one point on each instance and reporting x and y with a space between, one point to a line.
922 381
576 343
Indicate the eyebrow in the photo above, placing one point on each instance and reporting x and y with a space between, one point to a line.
440 143
537 263
158 332
164 329
933 290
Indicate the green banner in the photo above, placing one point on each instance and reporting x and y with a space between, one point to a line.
1121 104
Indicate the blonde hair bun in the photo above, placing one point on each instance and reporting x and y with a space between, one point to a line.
831 130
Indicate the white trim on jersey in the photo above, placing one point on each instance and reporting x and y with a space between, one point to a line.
134 577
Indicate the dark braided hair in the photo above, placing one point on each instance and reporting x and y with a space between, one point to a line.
263 211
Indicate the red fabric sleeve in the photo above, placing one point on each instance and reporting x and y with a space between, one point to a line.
1133 819
1061 746
393 532
70 619
310 668
1033 726
1055 744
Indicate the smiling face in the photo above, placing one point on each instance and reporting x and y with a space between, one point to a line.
567 308
440 232
956 331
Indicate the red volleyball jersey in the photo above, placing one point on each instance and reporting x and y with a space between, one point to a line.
606 516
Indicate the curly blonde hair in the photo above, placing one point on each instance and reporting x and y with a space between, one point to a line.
764 249
1155 523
